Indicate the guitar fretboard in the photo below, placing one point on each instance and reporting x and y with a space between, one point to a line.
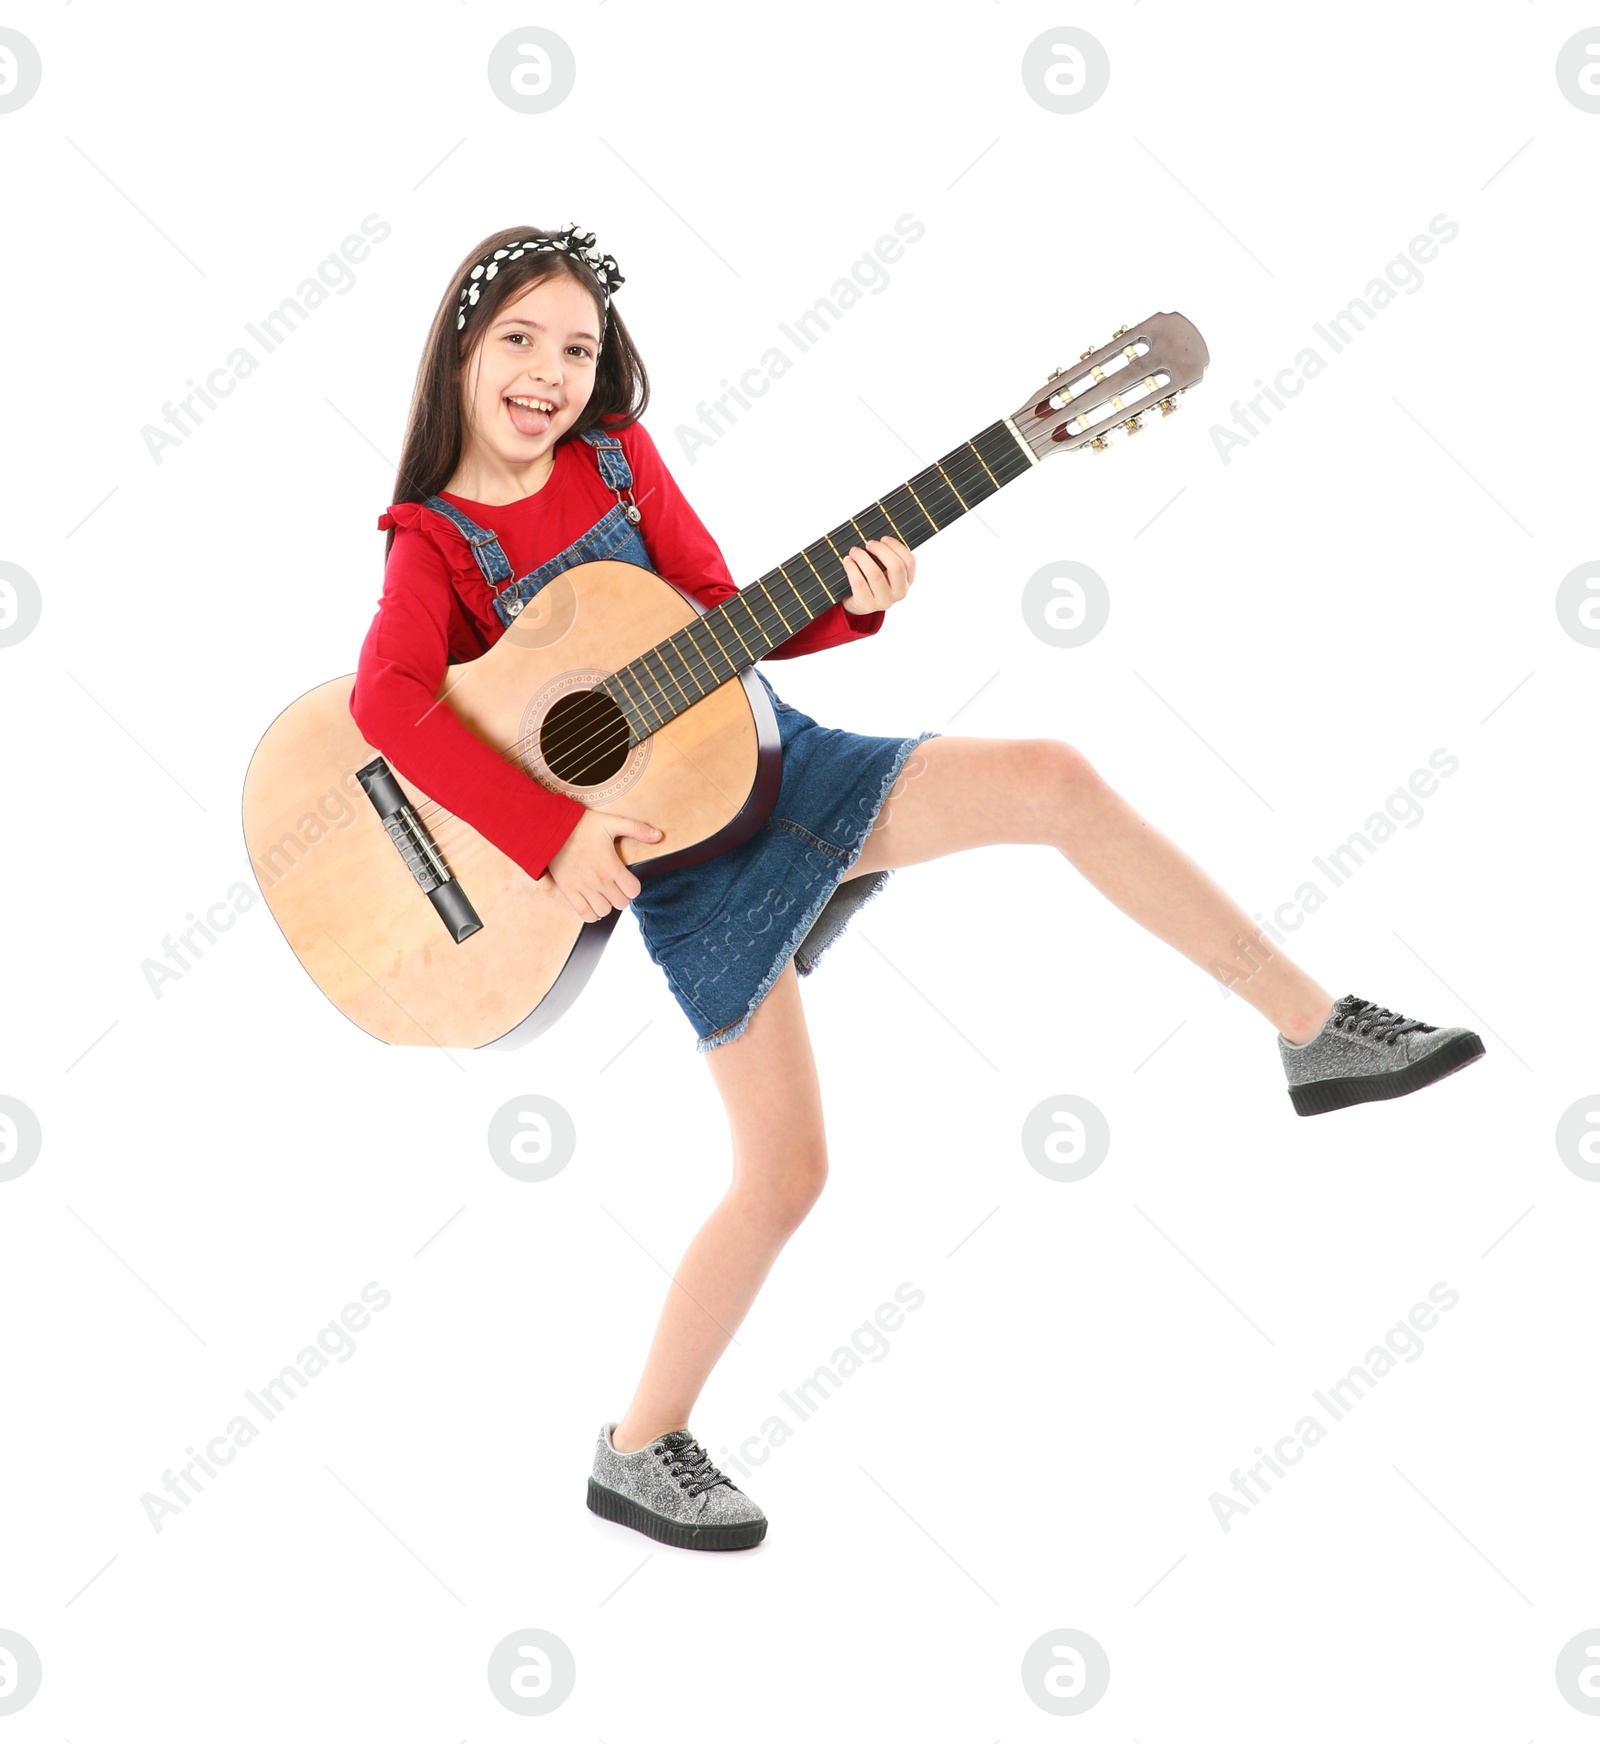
677 673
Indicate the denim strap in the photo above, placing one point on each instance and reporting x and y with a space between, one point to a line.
613 462
486 547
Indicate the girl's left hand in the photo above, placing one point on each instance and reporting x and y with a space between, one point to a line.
874 588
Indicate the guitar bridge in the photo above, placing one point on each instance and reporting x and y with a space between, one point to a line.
418 850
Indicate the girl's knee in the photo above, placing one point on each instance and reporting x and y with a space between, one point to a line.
1059 766
803 1183
786 1189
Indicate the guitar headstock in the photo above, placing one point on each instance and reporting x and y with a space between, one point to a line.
1140 368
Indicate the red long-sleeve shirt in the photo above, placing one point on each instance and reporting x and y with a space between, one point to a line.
436 609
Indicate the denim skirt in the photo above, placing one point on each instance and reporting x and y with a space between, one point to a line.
721 930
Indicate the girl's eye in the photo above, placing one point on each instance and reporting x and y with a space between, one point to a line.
583 350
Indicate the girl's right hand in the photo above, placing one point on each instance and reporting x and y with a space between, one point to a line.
589 871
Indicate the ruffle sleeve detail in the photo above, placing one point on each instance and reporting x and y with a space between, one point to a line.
446 540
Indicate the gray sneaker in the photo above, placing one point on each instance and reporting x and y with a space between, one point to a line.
1367 1053
671 1491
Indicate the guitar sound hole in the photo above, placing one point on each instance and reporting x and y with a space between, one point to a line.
584 738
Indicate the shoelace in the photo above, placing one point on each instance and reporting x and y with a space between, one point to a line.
691 1465
1366 1018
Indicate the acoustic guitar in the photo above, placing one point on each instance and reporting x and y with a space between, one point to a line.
616 688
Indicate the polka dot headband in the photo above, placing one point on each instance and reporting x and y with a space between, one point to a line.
578 243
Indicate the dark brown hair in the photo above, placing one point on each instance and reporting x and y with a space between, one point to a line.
434 427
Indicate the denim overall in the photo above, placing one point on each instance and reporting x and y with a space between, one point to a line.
722 929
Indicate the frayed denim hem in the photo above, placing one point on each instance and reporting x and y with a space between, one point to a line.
731 1032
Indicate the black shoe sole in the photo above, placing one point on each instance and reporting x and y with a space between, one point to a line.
609 1505
1326 1094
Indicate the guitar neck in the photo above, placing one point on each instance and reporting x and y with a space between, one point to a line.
676 673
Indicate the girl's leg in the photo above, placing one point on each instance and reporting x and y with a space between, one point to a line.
957 793
768 1082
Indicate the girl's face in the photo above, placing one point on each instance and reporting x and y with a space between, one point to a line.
542 347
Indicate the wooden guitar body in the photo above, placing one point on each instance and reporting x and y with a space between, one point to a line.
345 893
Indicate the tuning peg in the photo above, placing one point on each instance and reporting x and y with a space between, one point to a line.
1053 373
1094 348
1132 425
1168 406
1100 445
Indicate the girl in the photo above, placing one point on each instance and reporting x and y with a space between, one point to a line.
524 455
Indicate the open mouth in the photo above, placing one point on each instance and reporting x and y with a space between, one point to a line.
530 416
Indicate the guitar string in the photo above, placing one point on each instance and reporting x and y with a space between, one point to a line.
803 592
975 472
606 736
968 479
969 470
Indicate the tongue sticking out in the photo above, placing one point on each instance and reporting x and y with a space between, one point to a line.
528 423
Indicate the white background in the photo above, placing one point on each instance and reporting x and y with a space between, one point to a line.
1372 578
